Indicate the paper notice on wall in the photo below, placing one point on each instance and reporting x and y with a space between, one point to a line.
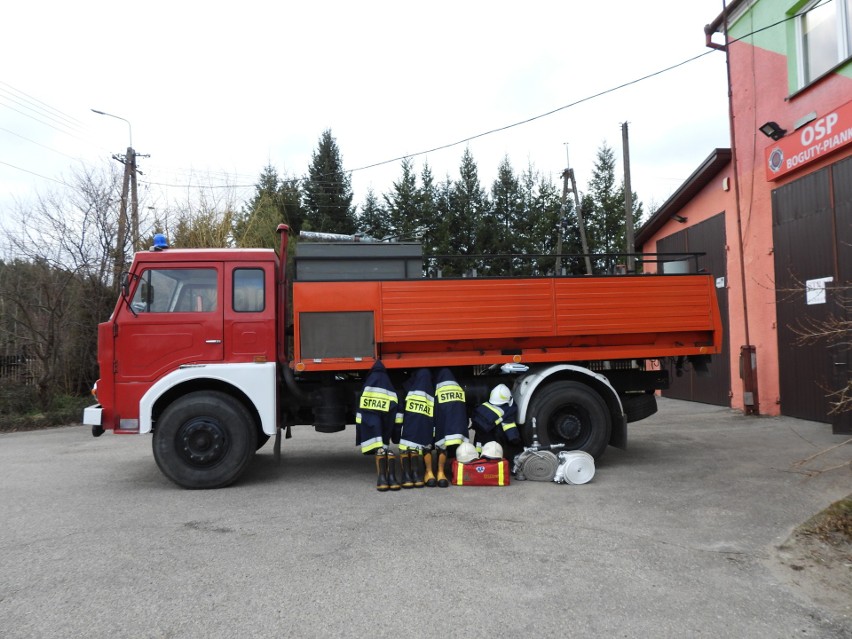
815 290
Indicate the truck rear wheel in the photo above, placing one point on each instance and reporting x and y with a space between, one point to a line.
204 440
570 413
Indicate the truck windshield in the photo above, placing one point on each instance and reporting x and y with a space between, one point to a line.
187 290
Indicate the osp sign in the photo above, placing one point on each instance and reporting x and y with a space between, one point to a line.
810 143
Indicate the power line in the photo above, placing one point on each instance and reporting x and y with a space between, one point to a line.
33 100
535 117
36 174
782 21
74 122
199 186
39 144
580 101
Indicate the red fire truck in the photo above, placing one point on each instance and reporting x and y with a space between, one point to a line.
213 351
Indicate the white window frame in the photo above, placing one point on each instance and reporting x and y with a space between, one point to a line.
843 35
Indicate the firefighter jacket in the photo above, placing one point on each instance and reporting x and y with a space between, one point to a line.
418 418
451 421
495 423
378 418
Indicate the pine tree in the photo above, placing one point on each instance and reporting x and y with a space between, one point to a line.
541 218
441 242
503 231
427 210
603 210
328 190
402 205
468 204
373 220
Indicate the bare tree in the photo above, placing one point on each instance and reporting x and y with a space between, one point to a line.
206 222
56 280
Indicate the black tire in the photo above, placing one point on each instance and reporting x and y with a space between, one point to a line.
639 406
204 440
570 413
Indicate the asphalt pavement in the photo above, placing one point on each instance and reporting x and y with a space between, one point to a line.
674 537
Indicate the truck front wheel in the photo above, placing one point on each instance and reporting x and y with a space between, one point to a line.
204 440
572 414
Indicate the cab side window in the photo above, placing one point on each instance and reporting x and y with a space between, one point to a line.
249 290
188 290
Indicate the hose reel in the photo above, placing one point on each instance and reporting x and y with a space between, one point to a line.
536 465
536 462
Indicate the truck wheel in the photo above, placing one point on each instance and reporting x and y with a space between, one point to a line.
204 440
570 413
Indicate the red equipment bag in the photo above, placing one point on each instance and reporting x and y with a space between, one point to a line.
482 472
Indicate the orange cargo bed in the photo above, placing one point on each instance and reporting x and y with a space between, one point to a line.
450 322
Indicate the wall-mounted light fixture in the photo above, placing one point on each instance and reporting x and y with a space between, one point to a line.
772 130
677 218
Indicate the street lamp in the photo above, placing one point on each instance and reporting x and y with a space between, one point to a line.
129 183
118 117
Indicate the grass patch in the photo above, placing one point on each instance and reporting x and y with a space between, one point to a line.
21 412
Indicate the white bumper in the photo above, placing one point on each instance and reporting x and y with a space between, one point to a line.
92 415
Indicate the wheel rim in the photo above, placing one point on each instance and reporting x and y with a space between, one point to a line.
570 426
202 441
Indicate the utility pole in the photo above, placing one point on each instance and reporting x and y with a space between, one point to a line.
628 202
128 185
118 265
134 200
568 174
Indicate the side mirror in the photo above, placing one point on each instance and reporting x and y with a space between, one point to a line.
125 284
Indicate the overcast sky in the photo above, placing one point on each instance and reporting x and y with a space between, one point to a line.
216 91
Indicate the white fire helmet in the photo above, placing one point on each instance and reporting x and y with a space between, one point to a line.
466 453
492 450
501 395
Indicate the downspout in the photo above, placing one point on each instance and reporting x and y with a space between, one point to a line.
748 353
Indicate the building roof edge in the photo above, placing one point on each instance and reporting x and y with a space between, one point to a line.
715 162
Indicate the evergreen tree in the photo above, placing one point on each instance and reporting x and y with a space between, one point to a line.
427 210
428 213
442 238
603 210
276 201
503 229
468 204
402 205
552 219
541 216
373 220
328 190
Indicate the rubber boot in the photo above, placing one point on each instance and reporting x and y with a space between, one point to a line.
381 471
443 482
405 460
393 484
428 475
417 468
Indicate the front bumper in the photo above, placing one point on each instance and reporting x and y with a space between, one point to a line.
92 417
